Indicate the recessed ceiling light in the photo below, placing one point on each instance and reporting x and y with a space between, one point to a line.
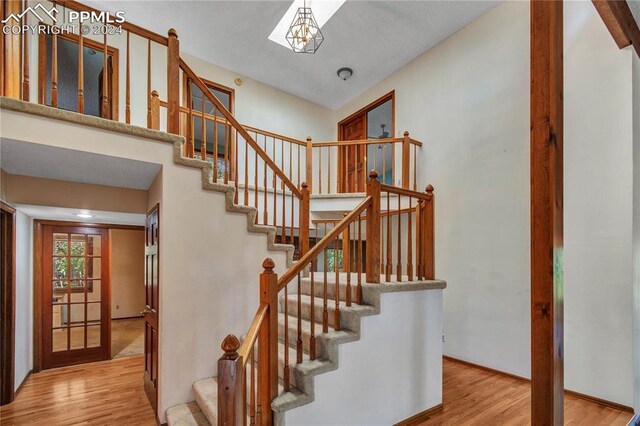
84 215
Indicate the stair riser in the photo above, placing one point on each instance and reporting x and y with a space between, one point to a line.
306 338
318 290
349 320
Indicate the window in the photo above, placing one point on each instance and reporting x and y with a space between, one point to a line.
67 75
216 134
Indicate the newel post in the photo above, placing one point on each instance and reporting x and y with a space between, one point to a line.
406 160
304 220
309 163
173 83
155 110
373 229
268 343
429 236
230 384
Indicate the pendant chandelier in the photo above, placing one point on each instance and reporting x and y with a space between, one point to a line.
304 34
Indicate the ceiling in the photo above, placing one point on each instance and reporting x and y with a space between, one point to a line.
635 9
49 162
374 38
70 215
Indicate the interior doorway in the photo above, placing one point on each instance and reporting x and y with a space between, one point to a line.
374 121
89 292
7 302
75 295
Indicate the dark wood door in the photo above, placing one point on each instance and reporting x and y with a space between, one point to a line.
353 157
151 311
76 310
7 302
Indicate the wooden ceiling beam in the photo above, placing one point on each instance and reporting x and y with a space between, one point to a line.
619 20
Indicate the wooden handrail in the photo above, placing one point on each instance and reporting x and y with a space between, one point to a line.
357 142
224 121
253 333
239 128
324 243
405 192
127 26
365 142
364 217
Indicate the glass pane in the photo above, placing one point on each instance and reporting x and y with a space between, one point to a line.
77 296
93 291
60 298
93 311
78 245
60 267
379 126
59 340
95 245
59 315
68 78
59 287
223 97
94 264
77 337
77 313
60 244
77 267
93 336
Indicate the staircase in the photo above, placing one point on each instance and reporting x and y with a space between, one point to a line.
299 327
203 411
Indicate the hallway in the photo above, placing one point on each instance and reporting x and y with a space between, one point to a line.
101 393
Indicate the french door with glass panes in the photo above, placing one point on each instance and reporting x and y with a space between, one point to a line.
75 295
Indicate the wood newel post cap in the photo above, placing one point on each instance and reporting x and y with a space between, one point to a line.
230 346
406 133
155 93
268 264
429 189
304 185
344 214
309 139
173 33
373 174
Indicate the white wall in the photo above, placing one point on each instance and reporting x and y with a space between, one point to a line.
24 298
411 377
467 99
210 262
597 207
127 272
636 229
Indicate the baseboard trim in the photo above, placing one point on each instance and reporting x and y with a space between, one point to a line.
589 398
420 417
19 388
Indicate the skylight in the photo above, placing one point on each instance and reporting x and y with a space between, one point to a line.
323 10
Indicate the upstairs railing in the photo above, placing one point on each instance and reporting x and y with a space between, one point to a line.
349 251
342 166
136 58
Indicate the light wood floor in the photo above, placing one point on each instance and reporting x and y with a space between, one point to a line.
473 396
127 337
100 393
111 393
